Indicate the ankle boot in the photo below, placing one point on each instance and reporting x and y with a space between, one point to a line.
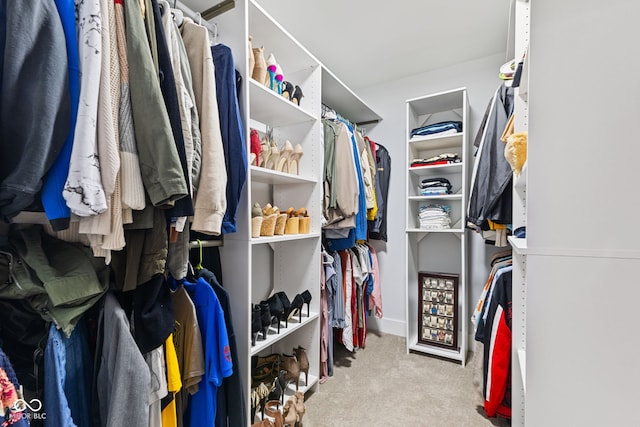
260 67
264 369
265 318
303 362
256 323
290 364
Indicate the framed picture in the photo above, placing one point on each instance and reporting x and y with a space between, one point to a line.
438 309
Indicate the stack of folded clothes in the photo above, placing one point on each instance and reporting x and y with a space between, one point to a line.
434 187
441 128
434 217
442 159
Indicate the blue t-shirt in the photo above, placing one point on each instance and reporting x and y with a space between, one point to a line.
217 354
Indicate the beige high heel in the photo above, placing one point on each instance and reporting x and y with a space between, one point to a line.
294 160
285 153
270 216
260 65
304 220
292 226
281 222
252 59
274 156
300 406
256 220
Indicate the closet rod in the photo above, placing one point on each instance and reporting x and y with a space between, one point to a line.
205 243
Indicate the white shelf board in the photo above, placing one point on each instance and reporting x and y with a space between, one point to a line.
338 96
447 230
291 387
284 238
437 351
439 197
430 170
518 244
522 361
437 102
274 110
268 176
273 336
434 142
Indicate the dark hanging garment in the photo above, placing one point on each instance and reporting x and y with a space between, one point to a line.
378 227
231 129
491 191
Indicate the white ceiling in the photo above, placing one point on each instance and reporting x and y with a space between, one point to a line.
366 42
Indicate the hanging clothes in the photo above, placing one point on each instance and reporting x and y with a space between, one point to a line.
491 190
34 106
378 226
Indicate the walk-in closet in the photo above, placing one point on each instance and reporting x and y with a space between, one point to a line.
285 213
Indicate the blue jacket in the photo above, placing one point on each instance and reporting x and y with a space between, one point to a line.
232 132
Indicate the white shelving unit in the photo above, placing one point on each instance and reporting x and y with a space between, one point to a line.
437 251
254 268
519 245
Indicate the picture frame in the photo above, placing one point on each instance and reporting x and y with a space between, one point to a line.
438 309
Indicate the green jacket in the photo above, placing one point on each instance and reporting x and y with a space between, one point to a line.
60 280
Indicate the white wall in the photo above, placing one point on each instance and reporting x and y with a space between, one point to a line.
480 77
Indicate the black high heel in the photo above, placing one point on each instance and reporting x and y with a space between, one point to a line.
296 307
286 306
276 309
256 323
265 318
306 296
287 90
277 389
297 95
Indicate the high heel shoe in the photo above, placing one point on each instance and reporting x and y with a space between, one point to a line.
287 90
304 226
285 152
279 79
277 390
269 218
274 157
258 399
297 95
276 308
265 151
252 59
260 65
303 362
254 148
270 79
256 324
286 306
290 364
290 413
294 160
265 318
278 419
293 222
296 308
306 297
256 220
300 406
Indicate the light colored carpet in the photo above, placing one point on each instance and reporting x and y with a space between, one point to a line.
382 385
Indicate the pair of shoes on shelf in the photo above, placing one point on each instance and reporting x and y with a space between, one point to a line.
255 148
291 308
275 76
258 399
264 219
293 94
284 159
266 72
294 410
294 365
298 221
281 369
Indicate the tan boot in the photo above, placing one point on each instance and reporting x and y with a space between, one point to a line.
290 364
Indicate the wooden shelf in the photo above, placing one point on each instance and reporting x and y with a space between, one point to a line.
274 110
268 176
273 336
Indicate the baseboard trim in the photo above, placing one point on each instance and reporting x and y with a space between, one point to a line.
387 326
